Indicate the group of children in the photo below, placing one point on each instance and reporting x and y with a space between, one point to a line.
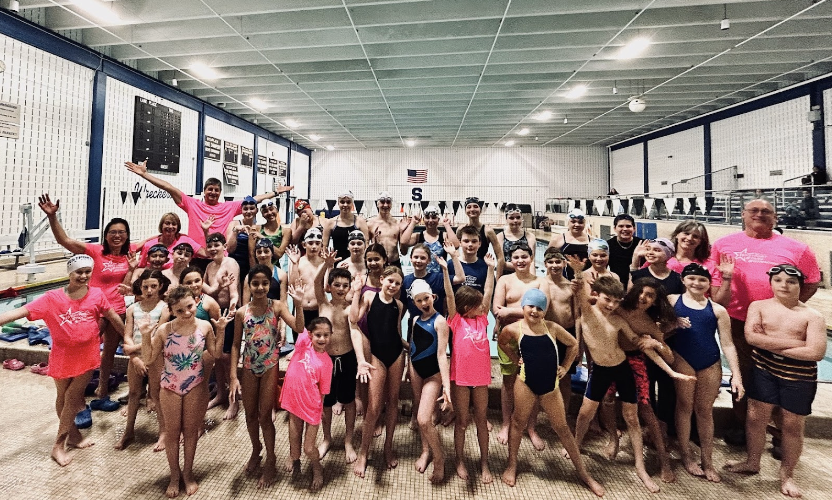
350 354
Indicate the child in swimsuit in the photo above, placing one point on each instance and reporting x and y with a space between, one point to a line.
384 334
308 380
470 363
150 311
185 344
429 368
697 353
263 254
257 328
72 314
530 343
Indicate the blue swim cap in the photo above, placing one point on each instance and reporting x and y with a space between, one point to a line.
534 297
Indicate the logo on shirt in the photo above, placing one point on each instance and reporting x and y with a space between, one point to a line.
307 363
474 335
74 318
752 257
112 267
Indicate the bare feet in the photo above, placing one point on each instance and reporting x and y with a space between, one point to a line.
323 448
76 440
510 476
173 488
151 405
742 467
350 453
486 478
611 448
160 443
219 400
667 474
422 462
231 412
190 484
651 486
267 477
564 453
489 426
537 441
595 487
253 460
124 412
502 437
693 468
712 475
359 408
317 476
438 471
60 455
448 418
290 465
461 470
337 408
391 459
125 440
413 425
377 432
360 466
789 488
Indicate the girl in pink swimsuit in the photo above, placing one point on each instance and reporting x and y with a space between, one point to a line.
258 327
186 344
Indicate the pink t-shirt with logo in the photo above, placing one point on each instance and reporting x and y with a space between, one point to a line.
198 211
308 379
183 238
108 273
753 258
73 325
471 355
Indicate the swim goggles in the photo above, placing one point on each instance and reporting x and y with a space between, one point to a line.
789 269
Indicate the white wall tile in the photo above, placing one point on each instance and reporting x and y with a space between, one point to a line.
675 157
627 169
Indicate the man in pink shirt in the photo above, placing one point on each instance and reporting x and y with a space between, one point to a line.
198 211
756 250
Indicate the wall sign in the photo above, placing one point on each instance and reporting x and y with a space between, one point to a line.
272 166
262 161
156 135
9 120
213 148
232 153
246 157
231 174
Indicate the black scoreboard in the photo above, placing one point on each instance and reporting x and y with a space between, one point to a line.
156 135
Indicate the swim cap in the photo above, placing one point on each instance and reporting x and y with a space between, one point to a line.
301 205
356 234
576 213
511 208
789 269
432 209
265 243
384 195
419 286
598 244
77 262
158 247
249 200
184 246
534 297
346 194
695 269
666 245
313 234
472 199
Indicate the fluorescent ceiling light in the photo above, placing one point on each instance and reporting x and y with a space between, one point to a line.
292 123
543 116
635 47
315 137
410 143
509 144
202 70
523 131
98 10
258 104
577 91
330 147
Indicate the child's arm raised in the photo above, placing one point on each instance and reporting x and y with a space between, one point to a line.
330 258
488 289
444 367
294 262
358 308
218 332
296 322
409 237
459 272
450 301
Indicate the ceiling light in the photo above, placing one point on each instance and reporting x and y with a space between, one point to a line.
509 144
97 9
543 116
565 120
577 92
410 143
330 147
315 137
725 24
258 104
203 71
614 87
635 47
292 123
174 82
523 131
637 104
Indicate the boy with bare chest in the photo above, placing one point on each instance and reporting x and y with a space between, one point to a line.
305 268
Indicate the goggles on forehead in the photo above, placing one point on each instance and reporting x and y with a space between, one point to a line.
266 205
472 199
512 209
313 235
355 234
788 269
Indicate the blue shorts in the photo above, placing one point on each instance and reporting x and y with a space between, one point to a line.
795 396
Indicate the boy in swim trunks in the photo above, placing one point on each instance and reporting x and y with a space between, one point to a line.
788 339
562 311
386 230
600 330
340 350
305 268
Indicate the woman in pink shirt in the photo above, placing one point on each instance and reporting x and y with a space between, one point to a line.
109 269
170 235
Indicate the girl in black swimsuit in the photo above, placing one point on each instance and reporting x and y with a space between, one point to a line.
339 234
384 333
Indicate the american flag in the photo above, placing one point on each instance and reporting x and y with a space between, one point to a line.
419 176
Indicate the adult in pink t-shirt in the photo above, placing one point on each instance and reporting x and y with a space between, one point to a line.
308 379
756 250
198 211
471 355
169 235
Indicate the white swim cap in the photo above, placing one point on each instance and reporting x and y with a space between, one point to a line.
77 262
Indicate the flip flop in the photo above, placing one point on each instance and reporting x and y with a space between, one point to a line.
83 420
13 364
40 369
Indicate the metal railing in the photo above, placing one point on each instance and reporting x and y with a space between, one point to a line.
733 185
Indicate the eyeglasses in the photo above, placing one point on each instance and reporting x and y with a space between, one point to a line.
761 211
115 232
789 270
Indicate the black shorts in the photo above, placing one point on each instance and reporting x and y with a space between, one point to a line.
562 352
344 372
601 377
229 338
795 396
